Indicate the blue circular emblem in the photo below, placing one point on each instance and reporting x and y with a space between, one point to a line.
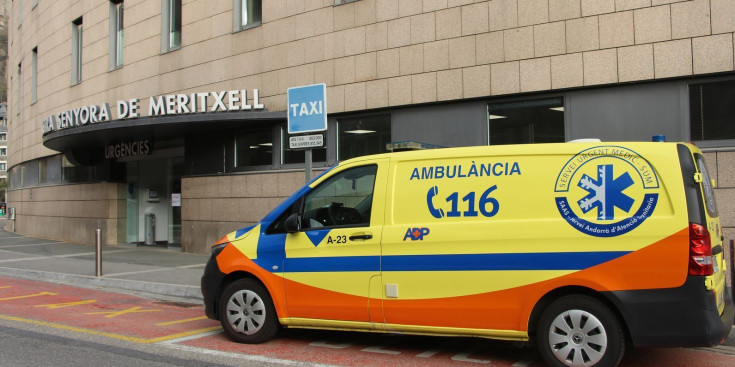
606 191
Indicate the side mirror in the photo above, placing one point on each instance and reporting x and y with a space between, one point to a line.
292 223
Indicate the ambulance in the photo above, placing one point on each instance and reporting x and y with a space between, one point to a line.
583 248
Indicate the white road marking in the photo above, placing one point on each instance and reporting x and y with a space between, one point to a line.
379 349
321 343
192 337
525 362
465 357
428 353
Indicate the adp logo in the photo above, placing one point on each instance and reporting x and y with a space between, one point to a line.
416 234
606 191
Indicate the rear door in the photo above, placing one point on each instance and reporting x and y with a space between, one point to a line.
717 280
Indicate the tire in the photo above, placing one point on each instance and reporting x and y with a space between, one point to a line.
579 330
246 312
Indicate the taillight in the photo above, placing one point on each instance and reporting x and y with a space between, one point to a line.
700 251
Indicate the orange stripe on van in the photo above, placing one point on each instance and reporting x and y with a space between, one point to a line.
662 264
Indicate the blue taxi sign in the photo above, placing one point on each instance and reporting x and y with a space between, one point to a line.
307 108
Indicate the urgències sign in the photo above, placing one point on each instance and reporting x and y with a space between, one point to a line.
163 105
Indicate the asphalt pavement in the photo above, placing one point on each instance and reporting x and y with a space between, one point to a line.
153 270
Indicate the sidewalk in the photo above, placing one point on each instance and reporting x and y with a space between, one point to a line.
152 270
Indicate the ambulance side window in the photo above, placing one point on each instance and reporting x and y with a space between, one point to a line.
709 194
343 200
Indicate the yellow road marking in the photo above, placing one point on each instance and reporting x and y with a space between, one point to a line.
29 296
110 335
6 286
68 304
182 321
123 312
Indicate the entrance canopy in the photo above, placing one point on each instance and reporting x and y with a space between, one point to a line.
85 144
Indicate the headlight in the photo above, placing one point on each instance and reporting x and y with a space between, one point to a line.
217 248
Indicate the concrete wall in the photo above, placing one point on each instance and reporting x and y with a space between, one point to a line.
71 213
216 205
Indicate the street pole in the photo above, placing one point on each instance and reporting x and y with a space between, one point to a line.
307 160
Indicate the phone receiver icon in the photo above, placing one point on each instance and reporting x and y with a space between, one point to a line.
436 213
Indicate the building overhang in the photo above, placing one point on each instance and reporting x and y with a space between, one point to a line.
80 142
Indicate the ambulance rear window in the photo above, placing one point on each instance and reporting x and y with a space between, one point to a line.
709 193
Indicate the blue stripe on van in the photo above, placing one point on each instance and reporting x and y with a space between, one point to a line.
463 262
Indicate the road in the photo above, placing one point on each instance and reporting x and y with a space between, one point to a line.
47 324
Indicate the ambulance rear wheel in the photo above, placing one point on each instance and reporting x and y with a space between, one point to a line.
246 312
580 331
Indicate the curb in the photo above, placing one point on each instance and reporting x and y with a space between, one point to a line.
162 289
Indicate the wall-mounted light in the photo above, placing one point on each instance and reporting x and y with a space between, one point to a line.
560 109
360 131
495 117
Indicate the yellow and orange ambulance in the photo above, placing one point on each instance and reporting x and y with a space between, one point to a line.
578 246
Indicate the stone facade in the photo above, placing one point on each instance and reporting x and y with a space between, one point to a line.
71 213
216 205
370 53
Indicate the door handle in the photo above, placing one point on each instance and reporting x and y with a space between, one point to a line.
363 236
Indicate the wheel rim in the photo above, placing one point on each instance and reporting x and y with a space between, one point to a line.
246 312
577 338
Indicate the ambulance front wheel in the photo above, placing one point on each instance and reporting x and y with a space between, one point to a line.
580 331
246 312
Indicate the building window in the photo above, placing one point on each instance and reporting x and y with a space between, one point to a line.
35 3
247 14
20 13
14 178
116 34
19 97
362 136
523 122
3 151
76 51
3 166
290 156
170 25
68 171
3 136
254 148
34 75
42 171
711 110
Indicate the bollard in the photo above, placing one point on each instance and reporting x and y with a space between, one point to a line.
98 252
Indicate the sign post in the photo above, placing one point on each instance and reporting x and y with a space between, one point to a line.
307 112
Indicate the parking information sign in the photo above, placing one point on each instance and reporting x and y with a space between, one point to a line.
306 141
307 109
